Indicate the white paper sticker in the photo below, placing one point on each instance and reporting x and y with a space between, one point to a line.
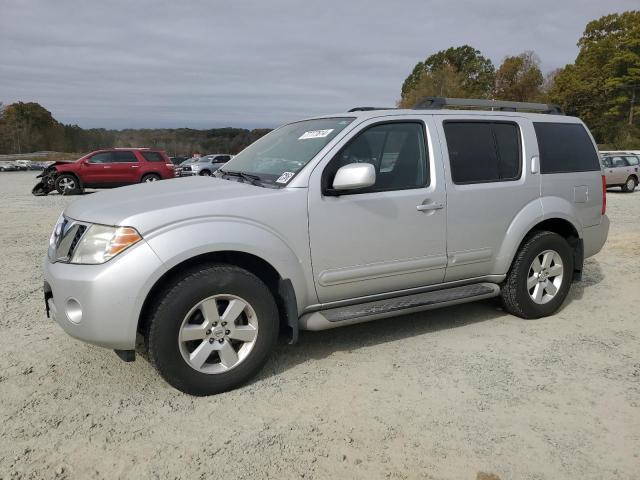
315 134
285 177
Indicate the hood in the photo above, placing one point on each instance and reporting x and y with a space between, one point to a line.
148 206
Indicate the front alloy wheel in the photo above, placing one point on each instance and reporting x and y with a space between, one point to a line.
218 333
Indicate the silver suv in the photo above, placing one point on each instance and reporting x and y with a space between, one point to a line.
328 222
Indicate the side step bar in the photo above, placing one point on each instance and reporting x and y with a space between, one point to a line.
364 312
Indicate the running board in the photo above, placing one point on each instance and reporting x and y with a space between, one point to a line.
364 312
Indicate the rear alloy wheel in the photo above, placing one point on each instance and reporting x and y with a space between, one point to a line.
67 184
212 330
630 185
540 276
150 177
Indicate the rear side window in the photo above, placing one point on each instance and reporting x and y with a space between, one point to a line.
565 147
633 161
482 152
152 156
124 156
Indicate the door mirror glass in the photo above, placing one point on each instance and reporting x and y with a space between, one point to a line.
354 176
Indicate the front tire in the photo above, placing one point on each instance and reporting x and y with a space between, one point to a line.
630 185
205 173
540 276
212 329
67 184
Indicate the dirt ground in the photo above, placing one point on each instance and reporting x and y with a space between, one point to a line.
445 394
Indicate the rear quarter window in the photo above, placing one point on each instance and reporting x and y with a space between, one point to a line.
153 156
565 147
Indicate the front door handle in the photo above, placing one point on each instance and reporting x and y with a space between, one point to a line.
430 206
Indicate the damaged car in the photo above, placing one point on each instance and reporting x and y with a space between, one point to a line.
109 168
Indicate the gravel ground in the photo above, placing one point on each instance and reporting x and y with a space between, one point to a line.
445 394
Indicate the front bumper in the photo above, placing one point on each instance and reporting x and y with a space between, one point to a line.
101 304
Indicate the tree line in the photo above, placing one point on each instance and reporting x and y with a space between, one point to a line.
602 85
29 127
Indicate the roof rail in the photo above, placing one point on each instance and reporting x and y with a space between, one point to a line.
437 103
368 109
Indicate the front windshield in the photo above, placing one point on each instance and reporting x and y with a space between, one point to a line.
279 155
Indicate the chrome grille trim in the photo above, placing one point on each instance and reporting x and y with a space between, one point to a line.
65 239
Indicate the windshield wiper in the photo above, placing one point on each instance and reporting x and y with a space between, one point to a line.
252 179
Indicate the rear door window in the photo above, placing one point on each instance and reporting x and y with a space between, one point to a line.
565 147
482 152
124 156
152 156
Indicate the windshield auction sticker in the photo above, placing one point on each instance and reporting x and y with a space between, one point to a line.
315 134
285 177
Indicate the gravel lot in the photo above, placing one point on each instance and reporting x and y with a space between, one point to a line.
439 395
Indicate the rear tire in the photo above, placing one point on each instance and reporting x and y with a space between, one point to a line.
533 289
67 184
189 307
630 185
150 177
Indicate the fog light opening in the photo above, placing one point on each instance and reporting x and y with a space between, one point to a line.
74 310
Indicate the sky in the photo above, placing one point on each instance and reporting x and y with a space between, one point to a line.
252 63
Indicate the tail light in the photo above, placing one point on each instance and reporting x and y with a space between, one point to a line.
604 195
170 165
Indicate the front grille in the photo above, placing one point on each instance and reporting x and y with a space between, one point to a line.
76 239
186 169
66 241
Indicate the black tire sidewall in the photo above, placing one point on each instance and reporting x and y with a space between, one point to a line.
549 241
163 334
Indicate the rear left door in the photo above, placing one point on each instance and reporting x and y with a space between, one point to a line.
125 167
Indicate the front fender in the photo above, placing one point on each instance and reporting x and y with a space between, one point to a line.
177 243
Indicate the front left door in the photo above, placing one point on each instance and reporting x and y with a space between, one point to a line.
388 237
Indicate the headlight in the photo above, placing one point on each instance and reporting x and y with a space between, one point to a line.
101 243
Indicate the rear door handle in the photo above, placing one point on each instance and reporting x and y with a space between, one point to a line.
430 206
135 166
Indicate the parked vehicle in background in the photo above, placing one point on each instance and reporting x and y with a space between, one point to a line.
177 160
106 169
22 165
621 170
8 167
207 165
187 163
328 222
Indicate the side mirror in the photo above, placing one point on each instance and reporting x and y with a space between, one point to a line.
354 176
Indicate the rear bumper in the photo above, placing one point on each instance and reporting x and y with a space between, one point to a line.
101 304
595 237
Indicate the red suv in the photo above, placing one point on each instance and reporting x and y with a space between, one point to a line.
111 168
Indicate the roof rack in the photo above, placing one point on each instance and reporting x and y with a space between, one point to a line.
437 103
368 109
